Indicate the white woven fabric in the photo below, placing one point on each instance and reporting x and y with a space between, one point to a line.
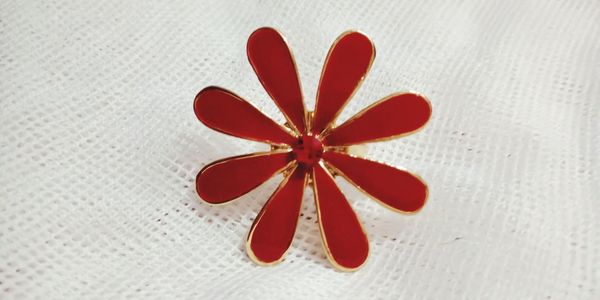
99 149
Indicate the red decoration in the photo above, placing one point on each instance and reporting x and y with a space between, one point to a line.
310 149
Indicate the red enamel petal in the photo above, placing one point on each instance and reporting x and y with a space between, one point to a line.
394 188
273 230
393 116
227 179
226 112
346 65
345 241
274 65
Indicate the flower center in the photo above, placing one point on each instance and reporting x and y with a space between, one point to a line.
308 150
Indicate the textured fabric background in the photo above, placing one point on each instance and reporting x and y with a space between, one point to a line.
99 148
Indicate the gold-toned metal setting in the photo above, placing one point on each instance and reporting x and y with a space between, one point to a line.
309 116
359 150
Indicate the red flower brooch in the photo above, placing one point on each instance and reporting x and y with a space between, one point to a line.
309 149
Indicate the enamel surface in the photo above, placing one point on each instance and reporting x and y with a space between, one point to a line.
226 112
346 65
230 178
273 230
395 188
391 117
274 65
344 238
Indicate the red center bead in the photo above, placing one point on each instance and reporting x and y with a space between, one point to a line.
308 150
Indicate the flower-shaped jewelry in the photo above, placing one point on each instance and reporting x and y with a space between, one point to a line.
310 149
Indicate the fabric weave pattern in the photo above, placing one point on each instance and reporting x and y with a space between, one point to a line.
99 148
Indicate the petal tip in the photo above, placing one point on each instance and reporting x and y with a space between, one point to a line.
356 34
419 204
349 267
199 98
413 99
363 38
203 192
426 102
260 31
263 29
261 261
